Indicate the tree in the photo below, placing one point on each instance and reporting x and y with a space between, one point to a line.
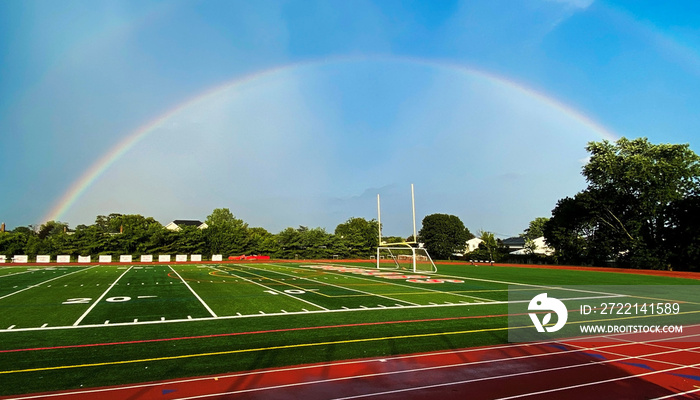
443 235
535 228
359 236
682 236
51 228
622 215
226 234
488 242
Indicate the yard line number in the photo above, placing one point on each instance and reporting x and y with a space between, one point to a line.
87 300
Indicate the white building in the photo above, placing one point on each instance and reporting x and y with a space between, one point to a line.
541 248
179 223
473 244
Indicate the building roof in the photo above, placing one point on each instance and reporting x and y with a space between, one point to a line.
516 241
540 247
177 224
187 222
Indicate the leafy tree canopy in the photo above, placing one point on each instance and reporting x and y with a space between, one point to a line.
444 235
625 212
535 229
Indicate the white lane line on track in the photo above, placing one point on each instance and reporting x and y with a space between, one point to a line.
417 370
598 382
670 396
413 356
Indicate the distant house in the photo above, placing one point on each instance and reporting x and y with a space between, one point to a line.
473 244
540 247
514 243
180 223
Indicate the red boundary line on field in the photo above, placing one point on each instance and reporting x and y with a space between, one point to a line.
444 373
253 333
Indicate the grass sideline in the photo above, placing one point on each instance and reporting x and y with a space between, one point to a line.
347 316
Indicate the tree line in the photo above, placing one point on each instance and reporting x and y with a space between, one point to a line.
641 209
118 234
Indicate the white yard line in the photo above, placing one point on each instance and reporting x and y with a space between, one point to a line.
46 281
213 314
398 284
16 273
269 288
511 283
76 323
341 287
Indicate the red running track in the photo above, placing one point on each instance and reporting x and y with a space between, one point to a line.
575 369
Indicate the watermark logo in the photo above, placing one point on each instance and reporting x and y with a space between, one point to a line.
543 303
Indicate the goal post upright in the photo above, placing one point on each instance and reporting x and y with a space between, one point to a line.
406 249
413 206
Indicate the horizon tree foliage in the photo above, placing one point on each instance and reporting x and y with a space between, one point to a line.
226 234
443 235
535 228
116 234
357 235
630 210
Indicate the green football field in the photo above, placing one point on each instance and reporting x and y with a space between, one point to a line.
66 327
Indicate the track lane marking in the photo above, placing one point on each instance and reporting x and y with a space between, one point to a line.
598 382
361 361
304 345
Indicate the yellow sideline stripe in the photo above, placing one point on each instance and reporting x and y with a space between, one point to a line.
219 353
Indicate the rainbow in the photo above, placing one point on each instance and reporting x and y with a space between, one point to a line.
110 157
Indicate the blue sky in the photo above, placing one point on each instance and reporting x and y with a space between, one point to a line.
300 112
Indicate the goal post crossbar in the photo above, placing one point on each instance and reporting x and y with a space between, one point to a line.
406 257
403 254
